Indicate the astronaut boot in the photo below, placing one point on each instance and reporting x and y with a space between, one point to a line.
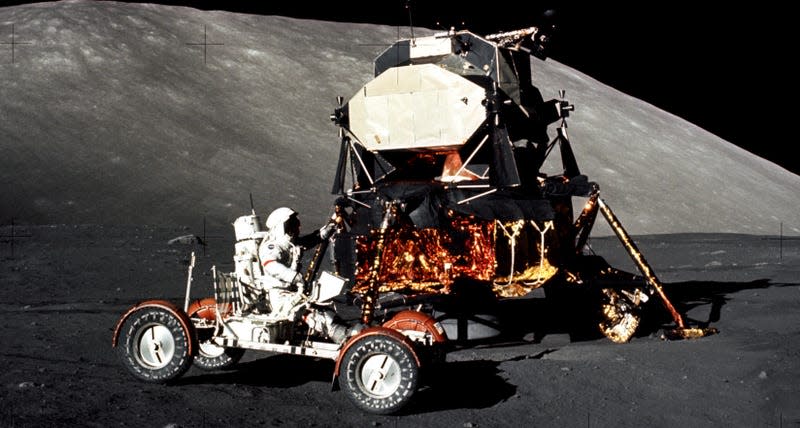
322 322
339 333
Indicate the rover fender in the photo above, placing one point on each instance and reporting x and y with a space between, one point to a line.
205 308
415 321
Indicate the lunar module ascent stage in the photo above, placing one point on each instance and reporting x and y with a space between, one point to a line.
441 189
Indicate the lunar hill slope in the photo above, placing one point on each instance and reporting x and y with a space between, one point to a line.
117 113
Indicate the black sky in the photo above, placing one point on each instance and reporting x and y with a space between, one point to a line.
723 68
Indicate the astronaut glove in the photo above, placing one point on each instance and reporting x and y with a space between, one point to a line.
326 231
298 282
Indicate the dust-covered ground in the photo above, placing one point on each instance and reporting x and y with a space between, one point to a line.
64 288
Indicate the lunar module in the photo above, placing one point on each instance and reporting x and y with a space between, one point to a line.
440 183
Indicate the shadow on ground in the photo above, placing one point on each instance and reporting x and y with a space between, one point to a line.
530 319
277 371
522 321
441 388
577 312
452 386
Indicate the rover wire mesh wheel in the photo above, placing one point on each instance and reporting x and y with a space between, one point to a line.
380 374
211 356
154 345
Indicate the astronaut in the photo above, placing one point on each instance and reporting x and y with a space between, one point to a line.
280 254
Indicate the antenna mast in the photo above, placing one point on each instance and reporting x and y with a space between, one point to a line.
410 22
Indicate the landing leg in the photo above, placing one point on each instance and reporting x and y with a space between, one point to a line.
681 331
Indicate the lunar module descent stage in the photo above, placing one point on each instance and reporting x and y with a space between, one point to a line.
441 190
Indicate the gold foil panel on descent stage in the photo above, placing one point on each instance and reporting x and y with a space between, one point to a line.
431 260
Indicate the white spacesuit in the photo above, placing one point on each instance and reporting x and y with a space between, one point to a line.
280 254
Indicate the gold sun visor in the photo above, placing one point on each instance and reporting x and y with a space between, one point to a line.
416 107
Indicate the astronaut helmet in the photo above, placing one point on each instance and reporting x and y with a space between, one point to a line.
283 221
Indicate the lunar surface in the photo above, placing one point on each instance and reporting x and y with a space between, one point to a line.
126 126
66 286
